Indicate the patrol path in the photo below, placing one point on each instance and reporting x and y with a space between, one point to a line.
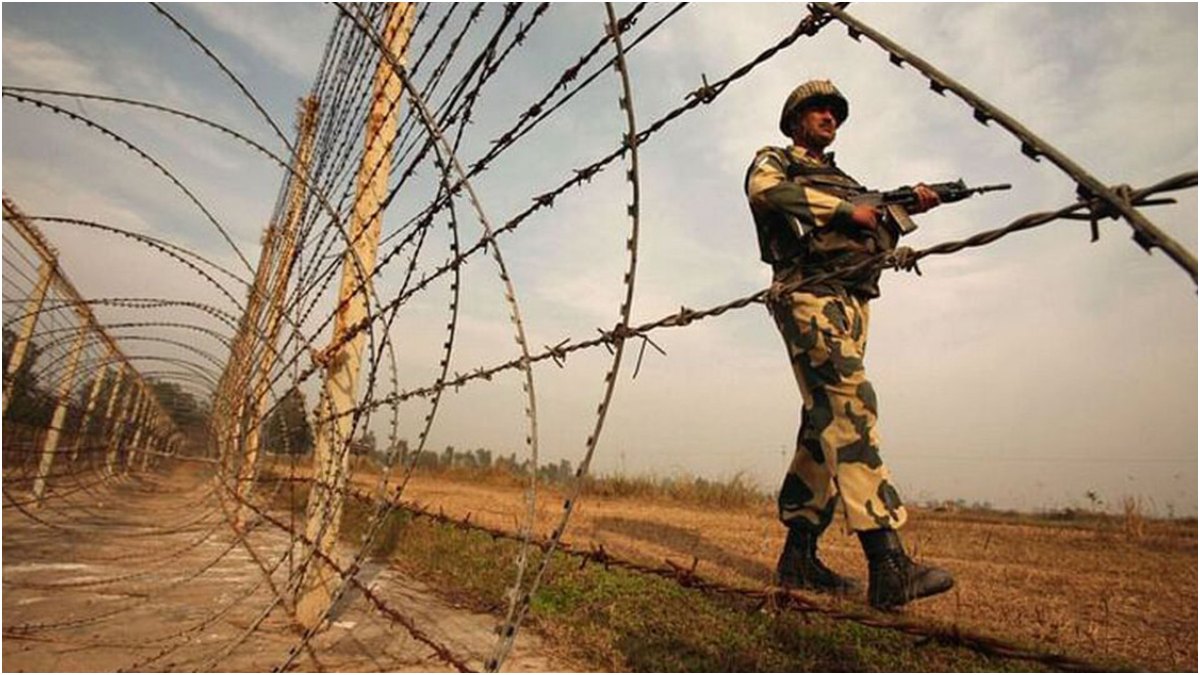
146 574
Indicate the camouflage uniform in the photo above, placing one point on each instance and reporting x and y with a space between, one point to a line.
805 228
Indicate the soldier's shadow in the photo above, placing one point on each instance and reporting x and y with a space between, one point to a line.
688 543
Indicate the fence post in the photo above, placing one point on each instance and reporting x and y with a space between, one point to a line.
121 425
140 413
33 309
50 444
151 437
49 273
111 430
284 258
85 421
332 435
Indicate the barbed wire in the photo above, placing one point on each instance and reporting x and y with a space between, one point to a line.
121 140
521 597
772 597
446 83
685 316
582 176
1108 200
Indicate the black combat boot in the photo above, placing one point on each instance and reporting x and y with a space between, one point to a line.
799 566
893 578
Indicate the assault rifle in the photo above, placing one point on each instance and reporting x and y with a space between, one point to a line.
896 202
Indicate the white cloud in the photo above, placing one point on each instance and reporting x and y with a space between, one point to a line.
33 62
285 39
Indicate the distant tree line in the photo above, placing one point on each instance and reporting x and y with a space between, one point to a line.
34 399
31 403
190 415
287 431
480 459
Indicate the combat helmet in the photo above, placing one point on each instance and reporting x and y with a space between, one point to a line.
811 92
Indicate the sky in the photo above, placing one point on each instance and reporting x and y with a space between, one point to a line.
1026 374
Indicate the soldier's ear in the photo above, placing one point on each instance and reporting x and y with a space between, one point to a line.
790 125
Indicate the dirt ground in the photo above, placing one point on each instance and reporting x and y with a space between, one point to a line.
1096 591
145 574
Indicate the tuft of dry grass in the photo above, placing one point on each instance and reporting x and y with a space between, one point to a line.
1134 521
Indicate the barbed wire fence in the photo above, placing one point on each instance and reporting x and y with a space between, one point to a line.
91 410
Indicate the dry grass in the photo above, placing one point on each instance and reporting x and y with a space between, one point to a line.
1082 585
737 491
608 619
1098 586
1135 522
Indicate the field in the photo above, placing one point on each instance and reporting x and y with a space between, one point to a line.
86 588
1112 590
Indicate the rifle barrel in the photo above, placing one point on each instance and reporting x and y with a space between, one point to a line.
994 188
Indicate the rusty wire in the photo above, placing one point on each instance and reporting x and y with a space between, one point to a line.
510 298
685 316
349 574
228 73
521 596
771 597
807 26
1107 199
437 127
447 159
132 147
238 541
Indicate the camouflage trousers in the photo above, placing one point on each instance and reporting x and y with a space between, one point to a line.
837 448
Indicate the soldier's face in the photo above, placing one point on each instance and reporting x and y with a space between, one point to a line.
816 128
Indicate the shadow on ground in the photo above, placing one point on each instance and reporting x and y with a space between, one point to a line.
688 542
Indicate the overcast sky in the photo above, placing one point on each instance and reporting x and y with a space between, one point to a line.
1024 374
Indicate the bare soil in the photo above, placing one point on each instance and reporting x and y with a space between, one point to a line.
146 574
1097 590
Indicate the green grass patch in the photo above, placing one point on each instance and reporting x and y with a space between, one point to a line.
620 621
612 620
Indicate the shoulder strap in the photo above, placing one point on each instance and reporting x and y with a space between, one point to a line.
764 154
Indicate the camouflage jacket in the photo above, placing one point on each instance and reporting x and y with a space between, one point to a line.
802 215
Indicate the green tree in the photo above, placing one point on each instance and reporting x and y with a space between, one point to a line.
287 430
483 458
31 403
189 414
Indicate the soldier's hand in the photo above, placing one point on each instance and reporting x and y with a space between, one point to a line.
865 217
926 199
904 258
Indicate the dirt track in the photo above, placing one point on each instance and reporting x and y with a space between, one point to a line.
145 574
1097 591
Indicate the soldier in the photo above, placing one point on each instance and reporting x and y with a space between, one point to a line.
806 227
